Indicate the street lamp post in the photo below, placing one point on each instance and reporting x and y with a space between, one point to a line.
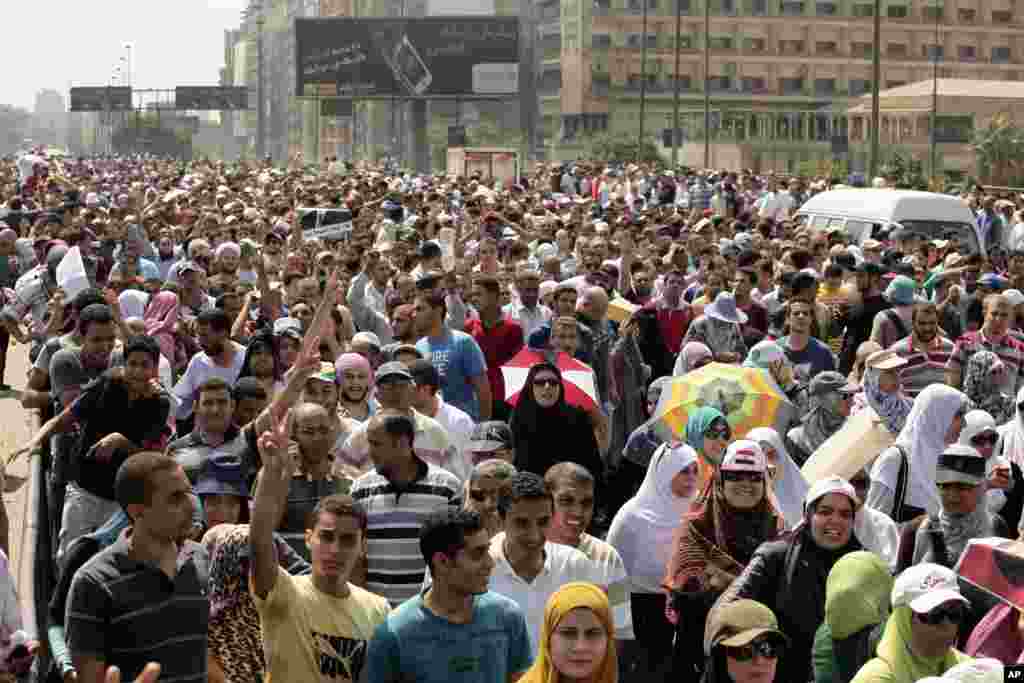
876 75
935 92
707 83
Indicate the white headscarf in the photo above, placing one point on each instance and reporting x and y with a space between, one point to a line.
1012 434
790 487
643 528
923 437
132 303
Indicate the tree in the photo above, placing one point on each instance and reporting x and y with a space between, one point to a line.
621 147
999 149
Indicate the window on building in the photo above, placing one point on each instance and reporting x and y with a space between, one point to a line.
826 9
550 11
633 40
685 41
600 85
932 51
967 15
933 13
791 86
753 84
861 50
1000 55
595 122
601 41
863 9
824 87
897 12
685 83
723 7
756 8
720 43
637 6
792 8
652 40
550 82
1002 16
895 84
682 6
633 82
859 86
720 83
654 83
966 53
826 47
602 7
754 44
897 50
791 47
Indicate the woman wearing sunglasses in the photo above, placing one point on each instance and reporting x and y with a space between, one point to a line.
921 633
981 434
708 433
715 542
941 538
744 645
547 430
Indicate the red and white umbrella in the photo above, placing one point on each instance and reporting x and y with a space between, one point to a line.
577 377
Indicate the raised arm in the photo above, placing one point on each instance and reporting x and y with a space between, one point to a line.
271 494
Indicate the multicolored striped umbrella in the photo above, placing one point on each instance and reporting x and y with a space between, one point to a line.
748 397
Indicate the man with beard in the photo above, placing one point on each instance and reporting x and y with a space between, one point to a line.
165 257
72 368
925 349
860 321
354 378
458 621
220 357
674 314
499 336
993 336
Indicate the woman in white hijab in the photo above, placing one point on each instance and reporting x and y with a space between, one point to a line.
1011 435
981 434
903 476
642 532
788 483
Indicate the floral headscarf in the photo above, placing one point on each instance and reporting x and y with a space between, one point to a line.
892 408
982 381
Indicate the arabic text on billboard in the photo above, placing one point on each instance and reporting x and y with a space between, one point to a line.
429 57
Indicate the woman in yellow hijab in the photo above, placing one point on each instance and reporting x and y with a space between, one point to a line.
577 642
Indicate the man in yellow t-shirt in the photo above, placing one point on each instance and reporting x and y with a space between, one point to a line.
314 628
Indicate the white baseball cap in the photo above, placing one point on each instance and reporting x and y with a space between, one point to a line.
1014 296
744 456
986 670
923 587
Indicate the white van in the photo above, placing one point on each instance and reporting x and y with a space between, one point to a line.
864 213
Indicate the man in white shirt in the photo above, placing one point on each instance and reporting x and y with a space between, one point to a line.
527 311
427 400
220 357
527 567
774 204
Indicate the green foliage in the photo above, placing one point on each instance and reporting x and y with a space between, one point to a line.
621 147
905 173
999 149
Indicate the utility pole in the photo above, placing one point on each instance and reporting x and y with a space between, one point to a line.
876 76
643 85
707 83
675 94
935 93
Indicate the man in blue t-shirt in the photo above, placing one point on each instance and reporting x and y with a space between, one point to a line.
807 355
456 355
456 630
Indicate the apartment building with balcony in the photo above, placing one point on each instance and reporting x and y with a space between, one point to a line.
782 72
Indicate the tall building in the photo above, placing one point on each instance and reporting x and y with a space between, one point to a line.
782 73
50 119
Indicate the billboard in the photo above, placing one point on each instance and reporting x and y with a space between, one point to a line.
101 99
211 97
433 57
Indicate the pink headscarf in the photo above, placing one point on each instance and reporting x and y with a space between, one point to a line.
349 361
160 318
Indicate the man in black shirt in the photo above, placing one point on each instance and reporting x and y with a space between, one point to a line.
859 321
122 412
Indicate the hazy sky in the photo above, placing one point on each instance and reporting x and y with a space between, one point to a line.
61 43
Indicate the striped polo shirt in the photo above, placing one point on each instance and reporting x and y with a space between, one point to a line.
431 443
1009 350
924 365
128 613
394 562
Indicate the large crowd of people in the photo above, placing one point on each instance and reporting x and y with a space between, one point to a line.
332 423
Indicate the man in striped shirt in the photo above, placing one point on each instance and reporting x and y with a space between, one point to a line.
925 349
993 336
398 495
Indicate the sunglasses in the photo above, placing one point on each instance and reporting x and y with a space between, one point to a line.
718 433
546 383
985 438
953 613
767 648
752 477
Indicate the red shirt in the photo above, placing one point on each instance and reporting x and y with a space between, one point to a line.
499 344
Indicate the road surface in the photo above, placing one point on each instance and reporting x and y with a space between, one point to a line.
16 427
